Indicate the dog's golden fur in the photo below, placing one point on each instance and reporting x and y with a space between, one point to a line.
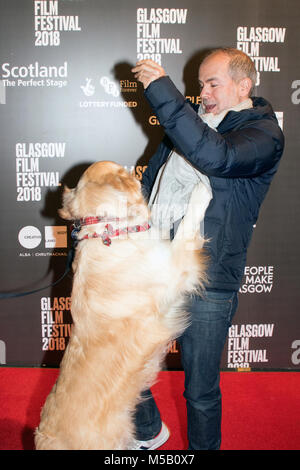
127 304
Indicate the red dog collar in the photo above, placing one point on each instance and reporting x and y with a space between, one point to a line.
109 231
96 220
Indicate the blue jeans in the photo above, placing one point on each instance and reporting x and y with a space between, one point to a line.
201 346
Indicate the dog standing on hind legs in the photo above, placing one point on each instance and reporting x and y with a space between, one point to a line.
127 304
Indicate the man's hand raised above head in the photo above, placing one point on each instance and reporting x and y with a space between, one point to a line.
146 71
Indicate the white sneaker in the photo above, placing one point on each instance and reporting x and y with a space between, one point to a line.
154 443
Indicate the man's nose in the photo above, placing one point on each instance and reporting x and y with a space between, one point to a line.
204 92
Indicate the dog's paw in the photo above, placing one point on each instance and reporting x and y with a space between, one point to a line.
189 228
200 199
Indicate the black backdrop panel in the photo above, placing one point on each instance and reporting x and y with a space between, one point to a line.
68 98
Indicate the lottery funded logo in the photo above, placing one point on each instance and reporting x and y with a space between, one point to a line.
104 92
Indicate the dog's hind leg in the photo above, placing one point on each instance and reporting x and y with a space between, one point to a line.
44 442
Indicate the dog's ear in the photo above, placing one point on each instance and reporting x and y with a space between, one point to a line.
129 185
66 212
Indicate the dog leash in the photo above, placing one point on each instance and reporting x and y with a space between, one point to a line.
106 236
70 258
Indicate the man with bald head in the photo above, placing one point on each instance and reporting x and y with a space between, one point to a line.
233 145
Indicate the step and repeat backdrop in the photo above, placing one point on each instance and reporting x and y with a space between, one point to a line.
68 98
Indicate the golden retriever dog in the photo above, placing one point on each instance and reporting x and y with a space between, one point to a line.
127 304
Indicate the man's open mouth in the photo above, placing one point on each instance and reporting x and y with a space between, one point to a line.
209 108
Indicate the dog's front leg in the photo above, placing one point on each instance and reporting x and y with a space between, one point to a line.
189 227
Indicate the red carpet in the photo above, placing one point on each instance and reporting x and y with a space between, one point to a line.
261 411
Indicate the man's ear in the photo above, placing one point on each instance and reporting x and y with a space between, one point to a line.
245 86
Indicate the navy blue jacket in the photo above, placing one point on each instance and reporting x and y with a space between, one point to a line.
240 161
